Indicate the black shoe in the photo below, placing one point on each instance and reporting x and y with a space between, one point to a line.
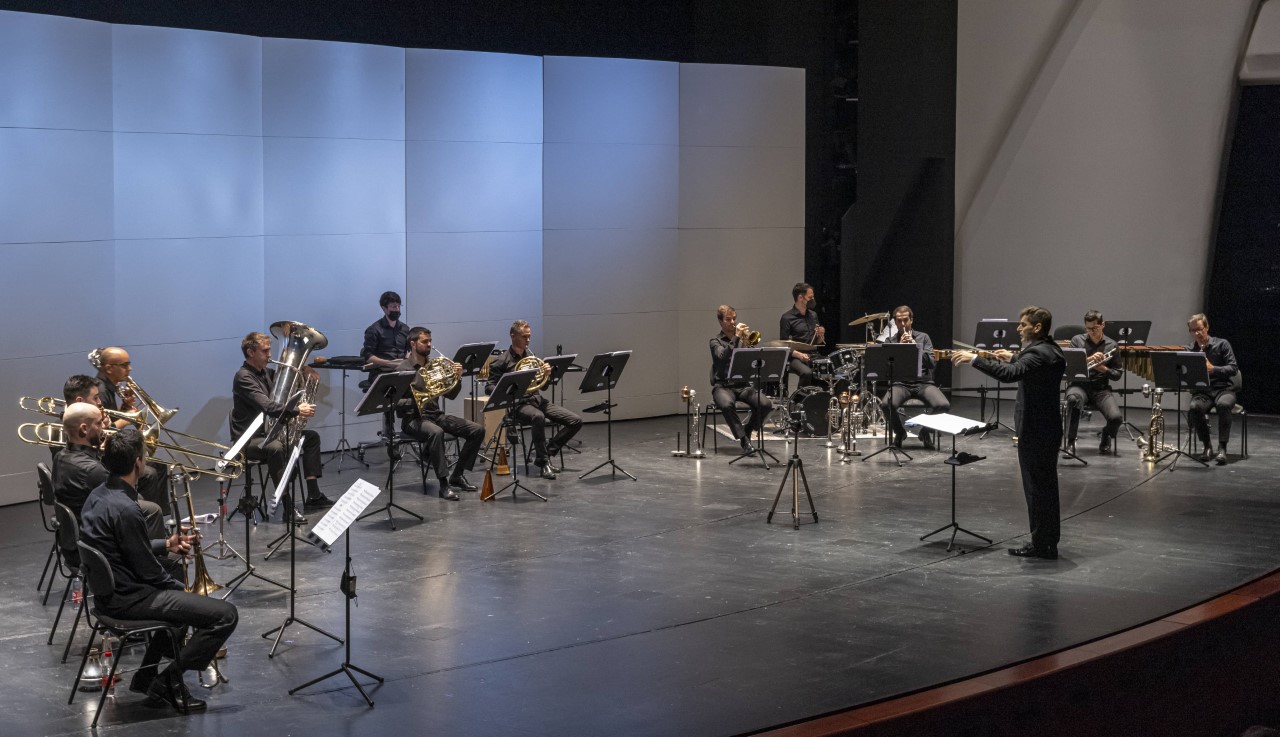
1207 455
747 447
319 501
447 493
1031 551
546 472
1221 457
462 483
926 439
298 519
173 691
1104 448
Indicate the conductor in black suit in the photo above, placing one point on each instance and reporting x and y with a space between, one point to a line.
1038 369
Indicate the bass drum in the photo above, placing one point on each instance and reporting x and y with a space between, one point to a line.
814 401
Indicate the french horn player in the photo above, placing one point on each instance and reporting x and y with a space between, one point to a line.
424 420
534 409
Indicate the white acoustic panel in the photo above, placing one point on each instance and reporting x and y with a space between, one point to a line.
193 377
459 187
612 186
332 282
55 185
610 271
473 96
730 105
187 186
189 289
722 187
745 268
648 383
174 80
612 100
332 90
34 280
333 186
468 277
57 72
41 376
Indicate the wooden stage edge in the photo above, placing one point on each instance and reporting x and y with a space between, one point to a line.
864 719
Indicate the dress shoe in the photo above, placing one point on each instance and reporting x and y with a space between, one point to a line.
1104 448
462 483
1221 457
446 492
1071 449
546 472
1207 455
173 691
1031 551
297 518
747 447
319 501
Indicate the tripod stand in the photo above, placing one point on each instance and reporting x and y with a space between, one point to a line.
246 506
604 372
507 395
953 426
758 363
386 390
795 470
343 448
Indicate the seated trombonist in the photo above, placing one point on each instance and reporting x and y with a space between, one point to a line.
427 423
800 323
153 485
922 388
724 392
534 408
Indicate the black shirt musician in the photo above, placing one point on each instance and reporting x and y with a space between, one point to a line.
426 422
386 341
1038 369
800 323
1223 372
534 409
251 395
725 392
1097 390
153 487
922 388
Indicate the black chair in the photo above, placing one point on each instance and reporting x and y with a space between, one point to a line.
103 584
711 410
48 518
68 562
1238 411
1067 332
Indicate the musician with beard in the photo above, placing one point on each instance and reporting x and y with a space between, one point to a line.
800 323
1221 395
1097 389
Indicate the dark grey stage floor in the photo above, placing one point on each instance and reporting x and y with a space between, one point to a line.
668 607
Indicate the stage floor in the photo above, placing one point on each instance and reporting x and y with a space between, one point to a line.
667 606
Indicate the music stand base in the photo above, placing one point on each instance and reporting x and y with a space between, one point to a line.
344 450
245 575
893 450
515 486
955 528
387 508
294 620
345 668
614 470
760 452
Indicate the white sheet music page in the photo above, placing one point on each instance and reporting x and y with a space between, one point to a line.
284 478
344 511
948 423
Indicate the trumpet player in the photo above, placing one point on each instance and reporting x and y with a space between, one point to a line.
535 409
1104 360
800 323
112 524
428 424
725 393
902 330
1220 360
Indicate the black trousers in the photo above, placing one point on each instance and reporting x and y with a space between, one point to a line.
761 406
802 371
930 394
153 484
276 455
432 435
537 412
1103 399
1038 461
211 620
1222 400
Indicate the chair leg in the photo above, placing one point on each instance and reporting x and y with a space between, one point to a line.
61 605
75 624
84 660
111 678
53 549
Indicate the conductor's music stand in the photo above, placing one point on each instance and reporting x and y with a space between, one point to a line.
603 373
1179 371
890 362
507 394
1127 333
993 335
386 390
1077 370
954 425
760 366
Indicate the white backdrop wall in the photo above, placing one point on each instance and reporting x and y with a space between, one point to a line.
1089 135
170 190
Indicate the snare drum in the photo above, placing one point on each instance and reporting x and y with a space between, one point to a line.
822 368
815 401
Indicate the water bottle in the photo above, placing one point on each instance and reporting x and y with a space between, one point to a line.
77 594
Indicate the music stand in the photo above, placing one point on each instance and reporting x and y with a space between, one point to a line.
507 394
471 356
760 365
890 362
1077 370
325 532
954 425
1127 333
1180 371
386 390
343 448
246 508
603 373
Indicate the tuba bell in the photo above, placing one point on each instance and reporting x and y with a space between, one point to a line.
299 340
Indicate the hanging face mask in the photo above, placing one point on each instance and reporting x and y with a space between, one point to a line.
393 315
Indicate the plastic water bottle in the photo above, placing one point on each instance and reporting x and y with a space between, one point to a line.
77 594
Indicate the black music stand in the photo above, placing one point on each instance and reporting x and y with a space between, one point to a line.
336 522
572 368
1127 333
471 356
1179 371
507 394
795 470
343 448
760 365
247 507
1077 370
386 390
993 335
603 373
890 362
954 425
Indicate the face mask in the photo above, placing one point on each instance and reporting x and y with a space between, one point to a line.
811 304
393 315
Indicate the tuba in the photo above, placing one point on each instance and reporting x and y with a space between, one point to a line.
299 340
530 362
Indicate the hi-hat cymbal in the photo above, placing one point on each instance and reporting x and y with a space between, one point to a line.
792 344
868 318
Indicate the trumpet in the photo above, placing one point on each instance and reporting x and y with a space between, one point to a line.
749 337
1105 357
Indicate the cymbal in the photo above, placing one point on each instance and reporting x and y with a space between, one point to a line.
792 344
868 318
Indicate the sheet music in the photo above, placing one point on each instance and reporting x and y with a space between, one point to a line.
948 423
284 478
343 512
234 450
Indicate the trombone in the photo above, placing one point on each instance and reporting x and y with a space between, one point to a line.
54 407
50 434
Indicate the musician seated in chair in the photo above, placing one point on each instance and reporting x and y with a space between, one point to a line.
800 323
922 388
386 341
251 394
1220 360
425 421
154 484
112 524
1097 389
724 392
534 408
